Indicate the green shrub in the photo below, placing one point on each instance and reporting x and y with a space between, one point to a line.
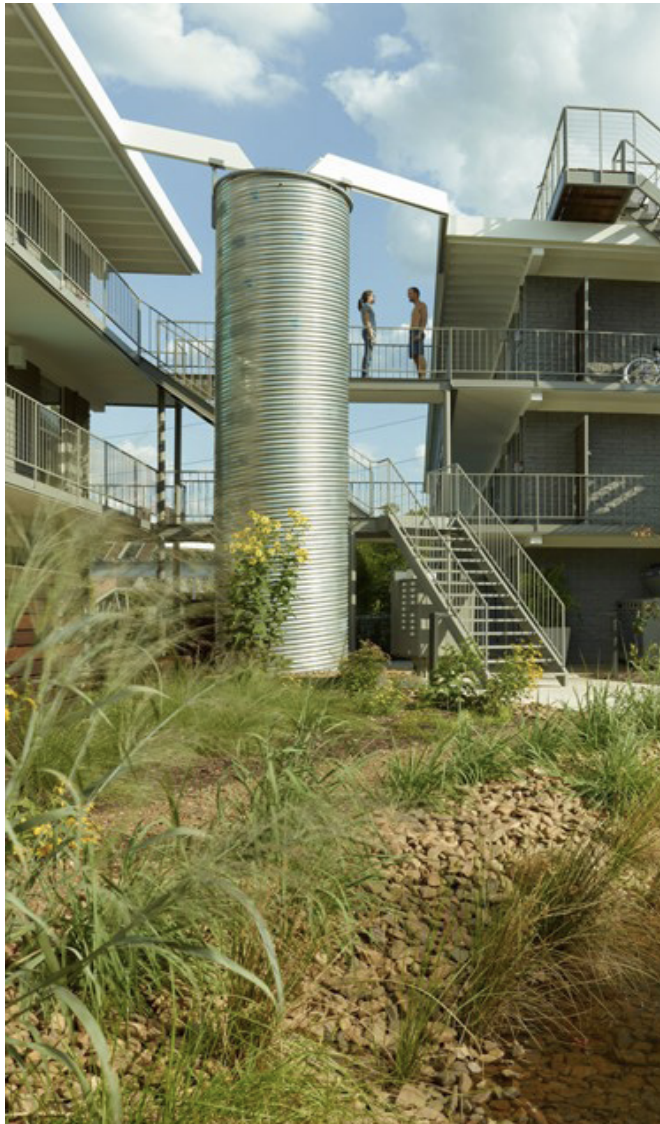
362 670
385 699
457 680
519 671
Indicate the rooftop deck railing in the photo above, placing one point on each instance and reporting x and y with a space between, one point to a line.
630 502
599 140
36 224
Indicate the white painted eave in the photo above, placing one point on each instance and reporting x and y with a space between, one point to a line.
174 249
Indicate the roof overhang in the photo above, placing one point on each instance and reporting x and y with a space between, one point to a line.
485 416
62 124
487 260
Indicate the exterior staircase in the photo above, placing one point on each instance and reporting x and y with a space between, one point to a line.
643 204
472 570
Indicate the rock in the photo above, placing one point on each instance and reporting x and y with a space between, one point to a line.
411 1096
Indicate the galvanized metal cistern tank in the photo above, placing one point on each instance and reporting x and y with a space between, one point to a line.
282 274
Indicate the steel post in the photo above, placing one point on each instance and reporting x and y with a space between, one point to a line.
160 484
446 449
178 492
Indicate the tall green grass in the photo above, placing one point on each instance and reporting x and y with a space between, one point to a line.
575 923
180 926
468 755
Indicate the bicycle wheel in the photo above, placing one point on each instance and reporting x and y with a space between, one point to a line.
641 371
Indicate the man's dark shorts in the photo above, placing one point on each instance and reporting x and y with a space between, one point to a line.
416 343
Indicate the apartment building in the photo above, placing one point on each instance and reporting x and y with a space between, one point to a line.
539 516
544 317
543 442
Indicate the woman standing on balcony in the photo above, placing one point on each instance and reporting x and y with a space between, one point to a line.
366 310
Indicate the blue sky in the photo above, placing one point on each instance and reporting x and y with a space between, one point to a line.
465 97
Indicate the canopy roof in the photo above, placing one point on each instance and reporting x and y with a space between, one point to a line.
64 127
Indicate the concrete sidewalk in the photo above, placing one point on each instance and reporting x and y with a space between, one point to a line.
574 693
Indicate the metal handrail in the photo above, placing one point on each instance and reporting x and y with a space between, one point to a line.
36 223
419 531
520 354
593 133
48 449
626 500
454 494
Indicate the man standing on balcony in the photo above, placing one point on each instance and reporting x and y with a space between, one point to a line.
418 321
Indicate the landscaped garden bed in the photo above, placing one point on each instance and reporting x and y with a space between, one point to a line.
237 895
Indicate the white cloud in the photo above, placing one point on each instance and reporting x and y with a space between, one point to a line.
391 46
475 112
149 45
367 448
412 238
268 29
146 453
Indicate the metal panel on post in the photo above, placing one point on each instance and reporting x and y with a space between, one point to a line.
282 383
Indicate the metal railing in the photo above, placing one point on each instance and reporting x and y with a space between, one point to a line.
375 487
542 355
48 449
454 495
532 354
535 498
36 223
528 354
379 488
196 496
591 139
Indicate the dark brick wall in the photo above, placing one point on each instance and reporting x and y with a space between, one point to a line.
615 306
624 443
624 306
597 579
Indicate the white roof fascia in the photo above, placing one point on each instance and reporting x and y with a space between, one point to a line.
547 233
373 181
193 147
86 87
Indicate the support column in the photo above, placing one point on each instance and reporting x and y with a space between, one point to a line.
352 592
178 492
446 421
160 484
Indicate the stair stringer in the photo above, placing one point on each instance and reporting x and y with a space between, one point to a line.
551 656
434 590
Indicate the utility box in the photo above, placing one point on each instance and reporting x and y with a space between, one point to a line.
409 627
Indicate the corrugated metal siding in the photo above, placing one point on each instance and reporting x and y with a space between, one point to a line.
282 383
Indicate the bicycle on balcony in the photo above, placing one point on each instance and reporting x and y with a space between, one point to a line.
644 370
